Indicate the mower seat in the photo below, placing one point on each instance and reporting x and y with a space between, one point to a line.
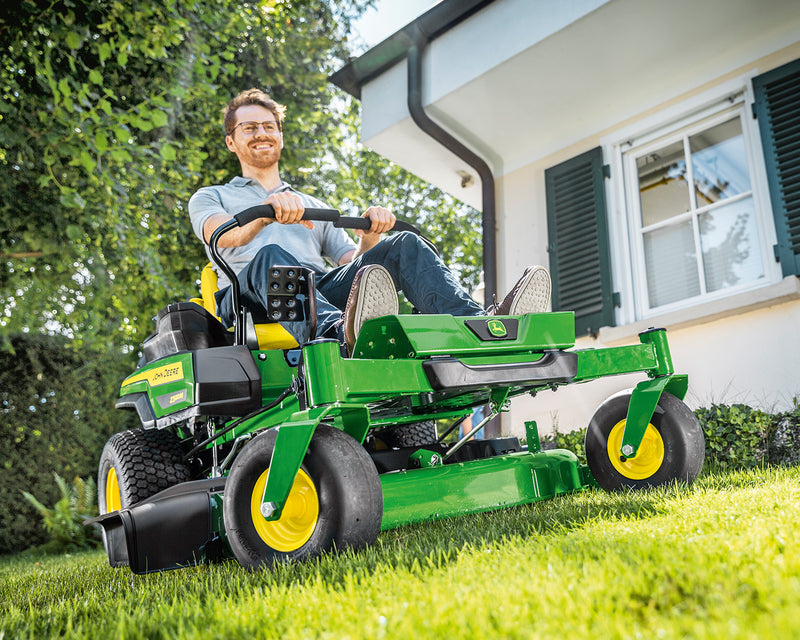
262 336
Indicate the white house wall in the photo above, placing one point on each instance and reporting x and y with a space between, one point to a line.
740 349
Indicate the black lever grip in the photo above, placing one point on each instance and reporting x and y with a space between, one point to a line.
267 211
329 215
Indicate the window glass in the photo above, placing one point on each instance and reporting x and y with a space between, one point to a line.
719 163
663 189
728 238
671 264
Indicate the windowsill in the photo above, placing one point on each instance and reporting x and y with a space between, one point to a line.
786 290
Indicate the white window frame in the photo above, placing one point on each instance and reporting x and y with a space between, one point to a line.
627 248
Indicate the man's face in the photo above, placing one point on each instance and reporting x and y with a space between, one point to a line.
260 149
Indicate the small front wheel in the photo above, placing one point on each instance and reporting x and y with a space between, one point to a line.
336 501
672 449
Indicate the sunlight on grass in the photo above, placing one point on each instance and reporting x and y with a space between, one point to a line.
717 560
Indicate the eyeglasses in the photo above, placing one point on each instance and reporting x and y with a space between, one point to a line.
250 127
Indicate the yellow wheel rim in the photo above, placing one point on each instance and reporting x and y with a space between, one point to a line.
298 520
648 459
113 498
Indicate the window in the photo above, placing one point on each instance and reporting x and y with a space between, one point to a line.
698 206
694 228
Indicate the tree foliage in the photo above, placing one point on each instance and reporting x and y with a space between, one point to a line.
110 119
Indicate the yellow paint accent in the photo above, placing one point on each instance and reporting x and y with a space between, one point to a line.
172 372
298 520
269 336
113 497
648 459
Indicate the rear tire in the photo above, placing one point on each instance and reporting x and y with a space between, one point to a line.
137 464
416 434
336 501
673 447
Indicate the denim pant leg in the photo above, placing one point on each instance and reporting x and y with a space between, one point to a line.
253 295
416 270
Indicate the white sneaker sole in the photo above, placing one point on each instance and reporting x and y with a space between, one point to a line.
376 297
534 294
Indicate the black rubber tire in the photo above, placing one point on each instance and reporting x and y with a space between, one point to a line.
416 434
145 462
349 493
681 434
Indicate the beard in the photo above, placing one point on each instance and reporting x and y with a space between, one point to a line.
263 159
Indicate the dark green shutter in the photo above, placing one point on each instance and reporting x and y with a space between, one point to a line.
777 107
577 232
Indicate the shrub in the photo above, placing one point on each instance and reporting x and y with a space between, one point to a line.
571 440
56 413
737 436
64 521
784 448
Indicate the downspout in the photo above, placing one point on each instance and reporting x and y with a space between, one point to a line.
424 122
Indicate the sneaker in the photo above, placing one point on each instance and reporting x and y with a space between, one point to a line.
531 294
372 295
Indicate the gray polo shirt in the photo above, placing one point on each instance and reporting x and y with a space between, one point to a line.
311 247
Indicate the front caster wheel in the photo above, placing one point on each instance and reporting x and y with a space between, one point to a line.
336 501
672 449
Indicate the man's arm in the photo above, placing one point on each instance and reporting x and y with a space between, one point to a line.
288 207
382 221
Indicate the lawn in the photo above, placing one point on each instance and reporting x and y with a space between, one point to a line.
718 560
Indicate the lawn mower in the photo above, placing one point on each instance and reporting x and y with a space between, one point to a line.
255 447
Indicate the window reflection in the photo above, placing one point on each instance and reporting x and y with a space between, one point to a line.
728 238
663 186
719 163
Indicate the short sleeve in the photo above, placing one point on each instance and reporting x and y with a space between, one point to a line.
205 203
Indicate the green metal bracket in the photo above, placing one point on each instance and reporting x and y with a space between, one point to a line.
353 420
499 397
293 439
425 458
532 436
658 338
643 403
640 410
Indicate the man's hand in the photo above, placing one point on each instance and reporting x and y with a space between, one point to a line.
289 208
382 221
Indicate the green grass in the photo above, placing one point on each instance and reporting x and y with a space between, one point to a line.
718 560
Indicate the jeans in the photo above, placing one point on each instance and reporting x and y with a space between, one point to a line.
415 268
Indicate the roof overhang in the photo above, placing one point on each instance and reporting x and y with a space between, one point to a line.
517 81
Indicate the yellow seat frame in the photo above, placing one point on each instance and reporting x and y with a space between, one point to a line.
269 336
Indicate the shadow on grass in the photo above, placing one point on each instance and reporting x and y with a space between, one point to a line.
439 543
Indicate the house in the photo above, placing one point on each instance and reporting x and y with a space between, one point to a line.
647 152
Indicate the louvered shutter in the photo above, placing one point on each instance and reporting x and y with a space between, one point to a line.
577 232
777 107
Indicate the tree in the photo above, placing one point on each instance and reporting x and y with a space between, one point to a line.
109 120
353 178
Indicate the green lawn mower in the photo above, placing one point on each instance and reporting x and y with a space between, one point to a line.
271 454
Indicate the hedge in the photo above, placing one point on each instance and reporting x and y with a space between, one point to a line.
56 413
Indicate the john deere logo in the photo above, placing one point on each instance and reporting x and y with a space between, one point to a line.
497 328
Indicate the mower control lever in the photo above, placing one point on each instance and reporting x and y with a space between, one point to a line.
329 215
